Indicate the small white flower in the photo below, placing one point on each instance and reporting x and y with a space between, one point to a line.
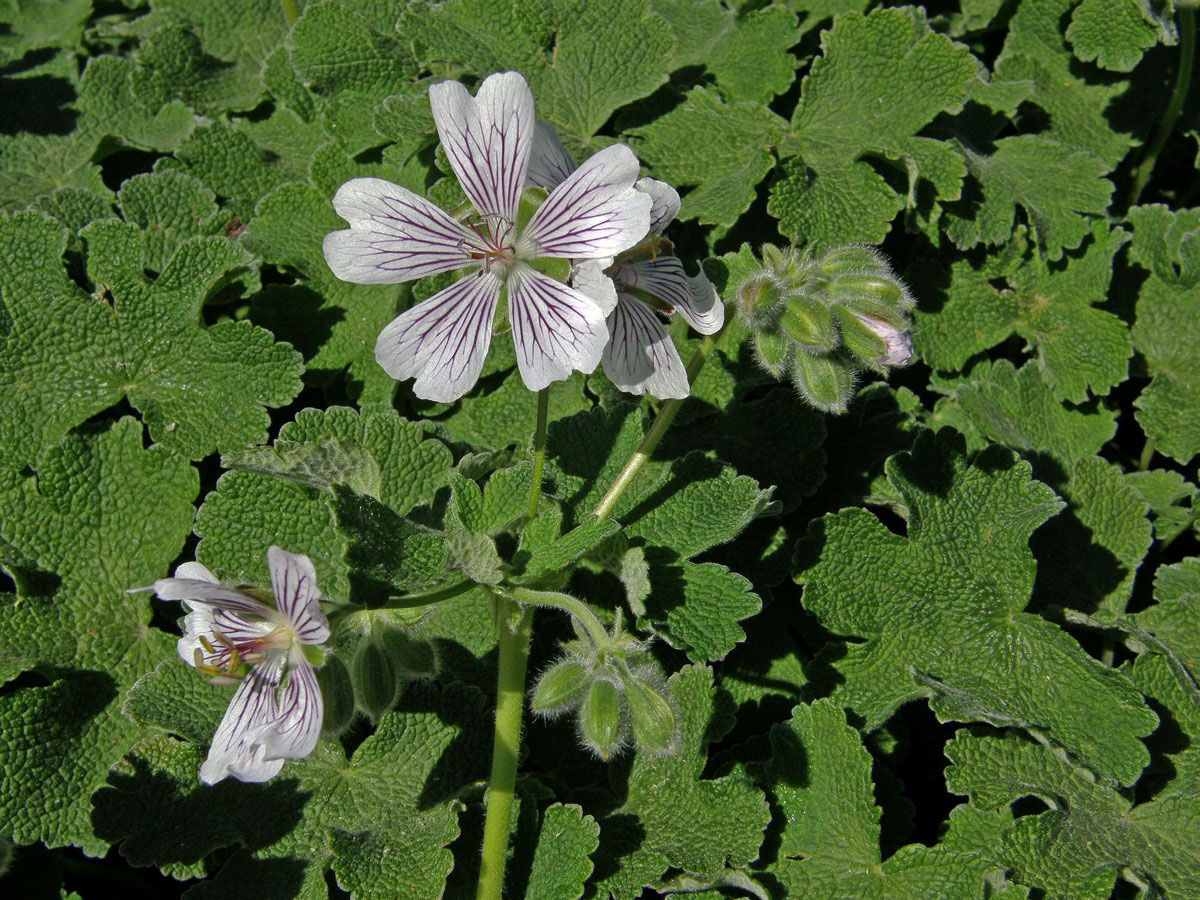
640 357
396 235
276 712
897 344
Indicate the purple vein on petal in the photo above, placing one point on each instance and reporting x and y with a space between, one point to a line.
555 328
442 341
640 356
394 235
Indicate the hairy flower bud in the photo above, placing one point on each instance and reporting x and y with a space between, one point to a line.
878 343
772 352
854 259
758 300
415 658
376 685
827 382
807 322
337 693
602 725
655 726
561 688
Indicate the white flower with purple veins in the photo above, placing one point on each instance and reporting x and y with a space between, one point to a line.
396 235
640 357
234 637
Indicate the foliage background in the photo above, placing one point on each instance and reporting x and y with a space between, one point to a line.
952 651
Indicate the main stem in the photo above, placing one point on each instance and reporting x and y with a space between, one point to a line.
516 627
666 416
1186 15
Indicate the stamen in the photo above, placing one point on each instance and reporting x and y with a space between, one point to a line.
235 661
206 644
226 680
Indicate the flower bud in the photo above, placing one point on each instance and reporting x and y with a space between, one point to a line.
772 350
757 301
876 342
854 259
337 696
883 296
827 382
414 658
601 724
561 687
808 322
651 715
376 686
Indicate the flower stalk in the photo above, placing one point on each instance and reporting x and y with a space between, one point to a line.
666 415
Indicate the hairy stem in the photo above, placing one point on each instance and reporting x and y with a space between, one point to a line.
1186 14
567 603
515 629
666 416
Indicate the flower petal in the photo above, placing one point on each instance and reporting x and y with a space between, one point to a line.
195 572
487 139
193 591
293 732
294 581
591 281
549 163
595 212
664 202
442 341
555 328
640 357
394 235
253 708
692 296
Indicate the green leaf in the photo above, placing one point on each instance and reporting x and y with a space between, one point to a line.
169 207
745 52
76 538
1169 408
722 149
857 102
176 699
234 166
1163 489
375 452
1036 50
819 779
32 26
198 389
397 791
697 607
1115 35
236 37
1057 188
700 504
1016 408
544 550
586 451
250 511
1076 848
696 824
1173 618
939 611
582 61
1089 555
561 863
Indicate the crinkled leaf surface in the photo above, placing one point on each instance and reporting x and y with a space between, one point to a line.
939 610
137 336
819 779
76 536
1076 848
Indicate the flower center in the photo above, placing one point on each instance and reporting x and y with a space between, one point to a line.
228 657
493 243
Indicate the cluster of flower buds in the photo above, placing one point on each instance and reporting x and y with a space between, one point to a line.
821 320
617 692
